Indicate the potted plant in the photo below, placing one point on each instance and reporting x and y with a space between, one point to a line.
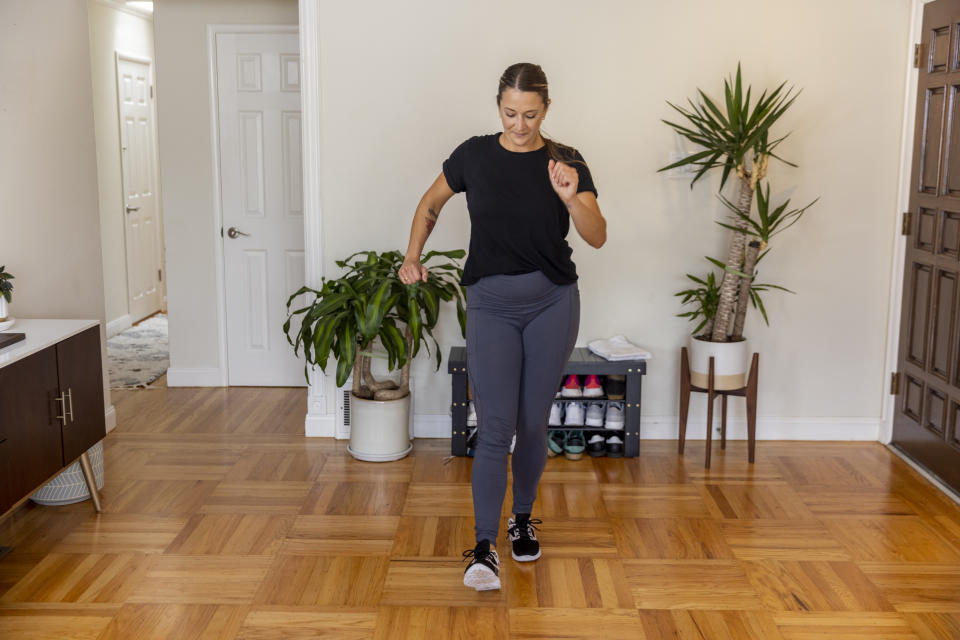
6 289
738 139
369 304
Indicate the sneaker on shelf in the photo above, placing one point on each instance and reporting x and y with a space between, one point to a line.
573 415
594 414
614 418
592 387
559 393
571 388
472 442
471 414
616 386
554 443
556 415
614 447
522 535
573 446
483 572
596 446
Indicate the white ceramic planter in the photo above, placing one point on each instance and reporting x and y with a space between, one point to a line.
379 429
3 308
730 363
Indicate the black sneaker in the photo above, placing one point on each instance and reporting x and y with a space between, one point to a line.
615 386
614 447
522 535
483 572
597 446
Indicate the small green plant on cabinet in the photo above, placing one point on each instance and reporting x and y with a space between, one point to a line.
6 287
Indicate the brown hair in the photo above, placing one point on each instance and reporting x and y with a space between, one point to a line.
526 76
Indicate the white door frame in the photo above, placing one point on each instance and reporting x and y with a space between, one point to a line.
119 55
318 423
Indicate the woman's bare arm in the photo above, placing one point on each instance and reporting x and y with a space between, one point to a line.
424 220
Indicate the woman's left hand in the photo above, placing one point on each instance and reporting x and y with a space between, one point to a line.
564 179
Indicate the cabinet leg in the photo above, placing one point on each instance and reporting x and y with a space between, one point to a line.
684 397
91 480
723 422
710 397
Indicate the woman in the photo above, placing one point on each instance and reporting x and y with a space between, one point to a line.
523 305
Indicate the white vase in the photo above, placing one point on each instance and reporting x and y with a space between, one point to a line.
3 308
730 363
379 429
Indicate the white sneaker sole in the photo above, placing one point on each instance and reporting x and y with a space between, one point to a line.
481 578
570 393
613 426
591 422
524 558
593 393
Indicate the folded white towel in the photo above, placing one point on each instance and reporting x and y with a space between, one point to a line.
618 348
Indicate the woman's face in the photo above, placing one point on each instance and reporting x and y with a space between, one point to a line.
521 113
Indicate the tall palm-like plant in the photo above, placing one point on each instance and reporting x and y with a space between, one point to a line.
369 301
736 139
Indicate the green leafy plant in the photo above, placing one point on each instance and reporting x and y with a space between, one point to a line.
347 315
6 287
738 139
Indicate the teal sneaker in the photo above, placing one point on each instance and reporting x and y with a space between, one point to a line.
574 445
555 440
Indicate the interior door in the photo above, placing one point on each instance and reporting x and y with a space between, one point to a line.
258 84
141 228
927 417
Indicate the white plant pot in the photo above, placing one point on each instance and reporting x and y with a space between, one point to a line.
379 429
3 308
730 363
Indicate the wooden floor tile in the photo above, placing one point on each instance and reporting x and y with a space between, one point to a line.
916 586
555 500
416 623
576 538
282 497
344 468
577 583
430 469
277 466
898 538
356 498
158 497
446 499
814 586
430 583
654 501
81 578
844 626
432 537
238 534
184 621
749 501
647 469
186 464
202 579
341 535
303 623
708 625
576 624
55 622
691 584
934 626
861 502
781 540
813 469
670 539
350 581
123 533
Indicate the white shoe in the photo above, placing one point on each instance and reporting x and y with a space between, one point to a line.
513 443
614 418
556 414
573 416
471 415
595 414
483 572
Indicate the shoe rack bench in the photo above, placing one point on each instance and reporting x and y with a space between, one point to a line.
582 363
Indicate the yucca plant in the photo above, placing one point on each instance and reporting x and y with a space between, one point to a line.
348 314
737 139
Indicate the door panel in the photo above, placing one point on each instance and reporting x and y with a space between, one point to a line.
79 368
925 419
258 83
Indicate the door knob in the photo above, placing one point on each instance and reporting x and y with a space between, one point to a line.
233 232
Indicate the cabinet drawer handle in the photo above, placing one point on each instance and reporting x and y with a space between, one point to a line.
70 400
63 407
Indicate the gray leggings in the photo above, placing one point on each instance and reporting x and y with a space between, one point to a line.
521 330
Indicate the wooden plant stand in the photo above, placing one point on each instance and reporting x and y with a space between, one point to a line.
749 392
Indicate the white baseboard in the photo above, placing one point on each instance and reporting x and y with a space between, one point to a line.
320 426
432 426
119 324
110 417
187 377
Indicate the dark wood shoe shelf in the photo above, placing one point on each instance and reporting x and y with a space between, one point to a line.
582 363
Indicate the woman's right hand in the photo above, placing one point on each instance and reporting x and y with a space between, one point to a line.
412 271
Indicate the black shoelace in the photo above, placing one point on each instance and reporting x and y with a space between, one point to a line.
478 553
526 532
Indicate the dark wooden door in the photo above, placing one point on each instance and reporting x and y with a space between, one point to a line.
927 418
32 451
81 379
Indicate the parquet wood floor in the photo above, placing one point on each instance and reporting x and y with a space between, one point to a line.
221 521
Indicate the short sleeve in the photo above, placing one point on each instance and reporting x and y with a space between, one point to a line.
585 177
454 168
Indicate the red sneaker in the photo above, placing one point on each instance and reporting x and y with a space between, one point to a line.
571 388
592 387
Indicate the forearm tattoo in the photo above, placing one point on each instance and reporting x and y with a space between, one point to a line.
432 217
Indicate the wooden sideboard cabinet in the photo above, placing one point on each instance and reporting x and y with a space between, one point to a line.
51 406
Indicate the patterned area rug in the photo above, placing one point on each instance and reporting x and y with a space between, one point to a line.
139 355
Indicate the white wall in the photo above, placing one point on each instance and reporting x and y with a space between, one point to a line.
400 92
186 171
49 219
112 30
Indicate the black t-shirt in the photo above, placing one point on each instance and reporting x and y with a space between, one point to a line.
518 224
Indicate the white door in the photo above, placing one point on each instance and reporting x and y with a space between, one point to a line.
258 84
141 229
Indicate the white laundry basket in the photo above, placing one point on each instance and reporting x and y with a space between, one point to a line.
69 486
